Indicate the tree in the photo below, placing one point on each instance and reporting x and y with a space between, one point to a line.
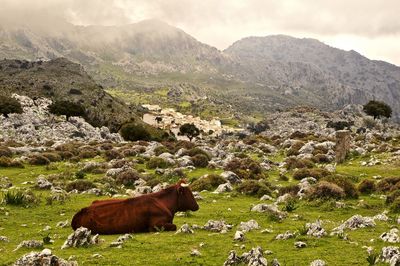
377 109
189 130
67 108
9 105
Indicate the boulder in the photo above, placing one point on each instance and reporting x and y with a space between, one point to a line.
231 177
248 226
82 237
43 258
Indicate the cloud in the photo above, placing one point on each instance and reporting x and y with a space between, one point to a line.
372 23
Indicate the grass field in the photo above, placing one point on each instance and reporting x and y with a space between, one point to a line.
167 248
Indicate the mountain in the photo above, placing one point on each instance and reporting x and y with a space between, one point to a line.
253 76
335 77
61 79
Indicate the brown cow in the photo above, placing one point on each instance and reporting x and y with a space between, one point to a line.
141 214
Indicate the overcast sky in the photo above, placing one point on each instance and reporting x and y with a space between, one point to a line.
371 27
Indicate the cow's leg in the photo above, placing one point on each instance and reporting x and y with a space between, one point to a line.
162 224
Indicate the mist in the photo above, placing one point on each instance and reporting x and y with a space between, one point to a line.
369 27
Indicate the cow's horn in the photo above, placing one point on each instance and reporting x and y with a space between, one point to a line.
184 185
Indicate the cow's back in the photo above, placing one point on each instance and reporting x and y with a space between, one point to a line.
115 216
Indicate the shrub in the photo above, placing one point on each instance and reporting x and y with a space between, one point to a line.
294 149
325 191
52 156
387 184
208 182
290 205
128 177
112 154
5 151
5 161
9 105
67 108
245 168
339 125
87 153
80 185
196 151
395 207
259 127
19 198
317 173
343 182
254 187
321 158
291 189
200 160
367 186
293 162
80 175
160 149
157 162
133 132
377 109
38 159
392 196
106 146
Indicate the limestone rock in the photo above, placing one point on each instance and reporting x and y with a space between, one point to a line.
29 244
239 236
44 258
391 236
82 237
248 226
217 226
185 229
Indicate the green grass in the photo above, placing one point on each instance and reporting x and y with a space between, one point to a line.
167 248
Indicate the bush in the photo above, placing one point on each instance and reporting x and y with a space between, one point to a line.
321 158
339 125
325 191
52 156
133 132
294 149
112 154
200 160
208 182
395 207
317 173
38 159
128 177
80 185
291 189
6 152
7 162
367 186
197 151
67 108
9 105
245 168
387 184
87 154
157 162
254 187
19 198
392 196
293 162
80 175
290 205
343 182
377 109
160 150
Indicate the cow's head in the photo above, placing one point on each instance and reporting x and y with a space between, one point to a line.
186 200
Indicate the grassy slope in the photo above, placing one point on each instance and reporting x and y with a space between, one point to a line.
167 248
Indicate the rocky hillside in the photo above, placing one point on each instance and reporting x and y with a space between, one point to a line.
61 79
301 66
254 75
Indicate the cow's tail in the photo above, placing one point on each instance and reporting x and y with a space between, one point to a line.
76 220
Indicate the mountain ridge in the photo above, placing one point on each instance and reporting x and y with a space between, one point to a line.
254 74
